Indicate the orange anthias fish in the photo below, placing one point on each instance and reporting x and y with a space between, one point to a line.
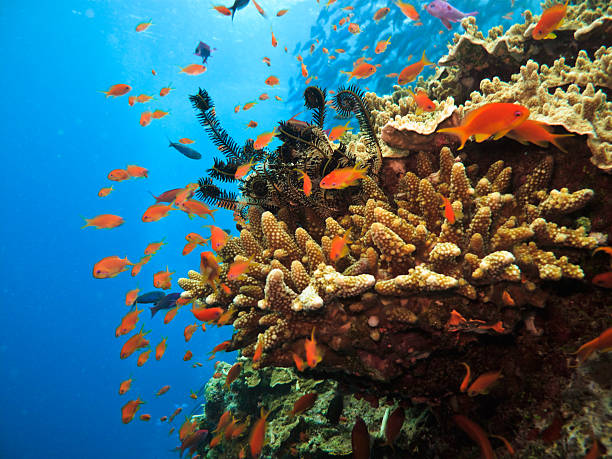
466 380
338 131
143 98
248 106
341 178
354 28
125 386
128 323
186 141
163 92
266 60
218 238
423 102
313 353
274 40
299 363
304 71
170 315
104 221
282 12
258 351
157 114
381 46
131 100
143 357
449 213
153 247
272 81
263 96
537 133
238 268
117 90
161 279
408 10
196 239
129 410
145 118
138 266
160 349
193 207
603 279
224 10
189 247
143 26
482 384
264 139
495 119
259 9
109 267
304 403
136 171
602 343
145 417
194 69
105 191
381 13
550 21
136 342
207 314
232 374
156 212
243 170
251 124
475 432
189 331
339 246
361 70
118 175
410 73
209 268
188 355
163 390
258 434
307 182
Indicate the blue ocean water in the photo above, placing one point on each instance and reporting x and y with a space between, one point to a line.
58 353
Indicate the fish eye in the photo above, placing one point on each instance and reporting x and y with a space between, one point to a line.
518 113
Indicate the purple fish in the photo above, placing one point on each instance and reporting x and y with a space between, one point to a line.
446 12
203 50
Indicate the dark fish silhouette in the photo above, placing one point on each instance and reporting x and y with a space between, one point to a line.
335 409
167 302
150 297
203 50
238 5
189 152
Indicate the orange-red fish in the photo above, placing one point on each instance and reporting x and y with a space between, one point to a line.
264 96
143 357
163 390
153 247
186 141
313 352
307 182
278 98
381 13
449 213
163 419
410 72
391 75
274 40
482 384
218 238
170 314
304 71
258 434
259 9
243 169
602 343
125 386
258 351
251 124
118 175
209 268
189 248
195 238
605 249
408 10
603 279
117 90
272 80
224 10
361 70
131 100
507 299
145 417
136 171
141 27
354 28
232 374
248 106
156 212
145 118
238 268
495 119
160 349
188 355
381 46
193 207
550 21
304 403
207 314
129 410
423 102
104 221
342 178
220 347
161 279
194 69
338 131
138 266
163 92
111 266
143 98
175 414
475 432
105 191
339 246
224 420
189 331
128 323
466 379
299 363
537 133
157 114
136 342
282 12
266 60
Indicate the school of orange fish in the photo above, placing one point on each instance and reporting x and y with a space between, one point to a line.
489 121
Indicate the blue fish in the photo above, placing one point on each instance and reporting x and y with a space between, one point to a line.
167 302
203 50
150 297
238 5
189 152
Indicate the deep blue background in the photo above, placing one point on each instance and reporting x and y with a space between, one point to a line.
59 358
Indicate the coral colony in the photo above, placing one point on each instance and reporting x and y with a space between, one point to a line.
455 261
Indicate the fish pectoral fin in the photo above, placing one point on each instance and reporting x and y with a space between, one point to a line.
481 137
550 36
446 23
500 134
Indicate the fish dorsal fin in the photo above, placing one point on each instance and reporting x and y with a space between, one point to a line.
481 137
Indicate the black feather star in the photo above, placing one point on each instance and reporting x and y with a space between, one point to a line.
314 99
212 194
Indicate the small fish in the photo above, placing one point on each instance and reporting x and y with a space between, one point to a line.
381 46
251 124
482 384
313 352
189 331
475 432
258 434
156 212
166 302
128 323
446 13
304 403
125 386
466 379
449 213
238 268
171 314
136 342
109 267
307 182
143 98
360 440
260 10
161 279
193 207
105 191
143 357
495 119
194 69
145 417
186 151
507 299
186 141
394 425
232 374
224 10
117 90
264 96
266 60
143 26
104 221
150 297
188 248
175 414
341 178
129 410
203 50
167 196
163 92
507 16
158 114
238 5
354 28
410 72
602 343
209 268
188 355
264 139
274 40
160 349
339 246
391 75
304 71
603 279
258 351
381 13
282 12
423 102
196 239
360 70
153 247
272 81
137 171
537 133
207 314
338 131
244 169
118 175
248 106
145 118
550 21
278 98
408 10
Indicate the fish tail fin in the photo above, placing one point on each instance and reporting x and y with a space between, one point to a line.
154 310
459 132
347 73
86 222
472 13
554 141
425 60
